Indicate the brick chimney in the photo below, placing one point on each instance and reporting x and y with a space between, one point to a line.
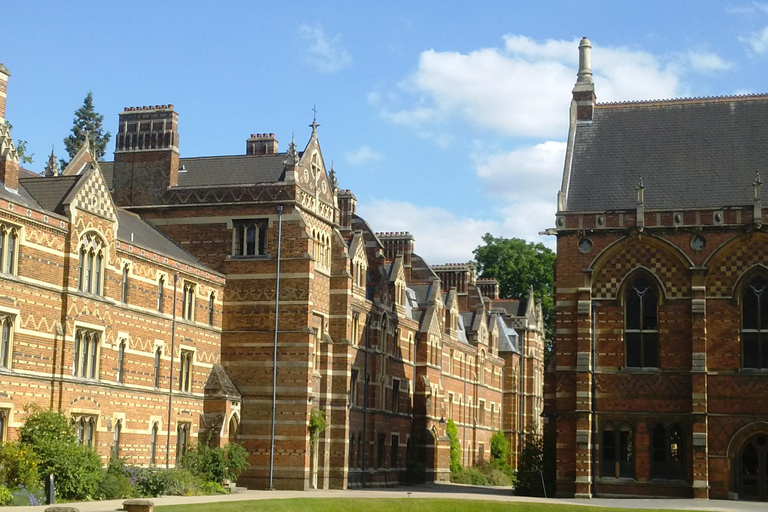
489 287
395 243
9 160
146 154
4 75
347 208
261 144
584 90
459 276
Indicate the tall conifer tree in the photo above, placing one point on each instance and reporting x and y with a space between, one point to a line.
87 122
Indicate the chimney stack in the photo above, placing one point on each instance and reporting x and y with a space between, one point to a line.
347 208
4 75
146 154
489 287
584 90
261 144
395 243
9 159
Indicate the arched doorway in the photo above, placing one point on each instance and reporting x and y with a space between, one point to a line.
234 425
753 469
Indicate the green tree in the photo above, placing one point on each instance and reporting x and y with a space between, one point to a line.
87 122
518 265
453 435
499 450
529 469
21 147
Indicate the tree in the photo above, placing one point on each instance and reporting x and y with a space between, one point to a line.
86 123
21 147
453 435
518 265
529 469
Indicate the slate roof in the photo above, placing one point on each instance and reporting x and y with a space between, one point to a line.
147 236
219 384
50 193
513 307
221 170
508 341
691 153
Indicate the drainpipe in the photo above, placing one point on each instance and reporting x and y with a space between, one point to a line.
594 394
170 377
464 416
274 356
521 399
365 391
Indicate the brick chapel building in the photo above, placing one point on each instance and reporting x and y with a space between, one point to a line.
145 298
658 385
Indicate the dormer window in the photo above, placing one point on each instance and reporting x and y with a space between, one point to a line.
249 238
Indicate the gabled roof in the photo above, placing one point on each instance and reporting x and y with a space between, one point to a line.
219 385
690 153
508 339
51 193
513 307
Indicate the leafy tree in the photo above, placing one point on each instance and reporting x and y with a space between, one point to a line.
518 265
529 469
21 147
453 435
499 449
87 122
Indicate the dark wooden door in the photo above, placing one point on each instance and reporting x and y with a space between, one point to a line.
754 470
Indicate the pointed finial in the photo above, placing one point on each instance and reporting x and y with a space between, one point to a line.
585 62
314 124
640 191
332 178
52 166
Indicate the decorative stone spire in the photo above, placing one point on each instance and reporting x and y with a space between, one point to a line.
640 216
9 159
584 90
52 167
314 124
333 180
757 211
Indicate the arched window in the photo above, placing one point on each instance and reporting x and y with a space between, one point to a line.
121 362
641 326
210 308
90 429
618 452
8 239
668 452
352 450
754 324
160 287
158 353
124 288
185 371
182 438
249 237
86 354
116 446
3 423
153 446
91 264
6 324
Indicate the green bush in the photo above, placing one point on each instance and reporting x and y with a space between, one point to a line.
77 468
209 488
470 476
499 450
453 434
149 482
181 482
5 496
18 465
115 487
529 469
215 464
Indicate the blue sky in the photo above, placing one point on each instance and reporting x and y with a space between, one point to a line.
447 119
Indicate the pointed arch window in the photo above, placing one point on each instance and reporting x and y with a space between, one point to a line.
124 285
91 264
121 363
86 354
641 325
754 324
188 301
249 237
160 288
211 300
153 446
9 238
6 333
668 454
116 445
182 439
158 353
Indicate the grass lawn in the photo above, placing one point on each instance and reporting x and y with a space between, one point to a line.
382 505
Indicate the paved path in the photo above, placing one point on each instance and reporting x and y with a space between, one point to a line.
426 491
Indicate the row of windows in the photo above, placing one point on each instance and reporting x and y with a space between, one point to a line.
189 290
394 461
667 452
641 324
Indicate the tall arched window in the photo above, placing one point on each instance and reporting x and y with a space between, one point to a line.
160 287
754 324
158 353
210 308
91 269
641 326
116 446
8 240
6 324
668 457
153 446
124 287
121 362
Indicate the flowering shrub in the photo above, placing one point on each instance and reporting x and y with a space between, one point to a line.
18 465
24 496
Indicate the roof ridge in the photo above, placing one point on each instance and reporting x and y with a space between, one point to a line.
683 100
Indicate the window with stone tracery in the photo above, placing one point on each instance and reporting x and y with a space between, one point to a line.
6 341
91 264
754 324
9 248
86 354
641 325
249 238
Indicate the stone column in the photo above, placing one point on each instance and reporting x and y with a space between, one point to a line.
584 365
699 383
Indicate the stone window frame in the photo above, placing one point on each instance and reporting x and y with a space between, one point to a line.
211 304
92 263
623 465
86 361
186 369
188 300
85 428
183 437
157 364
122 350
758 361
161 280
5 416
7 329
354 375
118 430
125 274
241 228
9 252
154 431
627 287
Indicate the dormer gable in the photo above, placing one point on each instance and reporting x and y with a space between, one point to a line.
359 261
397 281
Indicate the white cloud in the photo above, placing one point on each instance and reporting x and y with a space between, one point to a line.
523 89
325 53
441 236
705 62
362 156
757 42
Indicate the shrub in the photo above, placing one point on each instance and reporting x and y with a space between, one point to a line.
317 423
471 476
77 468
453 434
114 487
5 496
148 482
215 464
237 460
25 497
499 450
181 482
18 465
529 469
208 488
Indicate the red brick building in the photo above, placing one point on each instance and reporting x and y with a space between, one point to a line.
658 384
305 307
